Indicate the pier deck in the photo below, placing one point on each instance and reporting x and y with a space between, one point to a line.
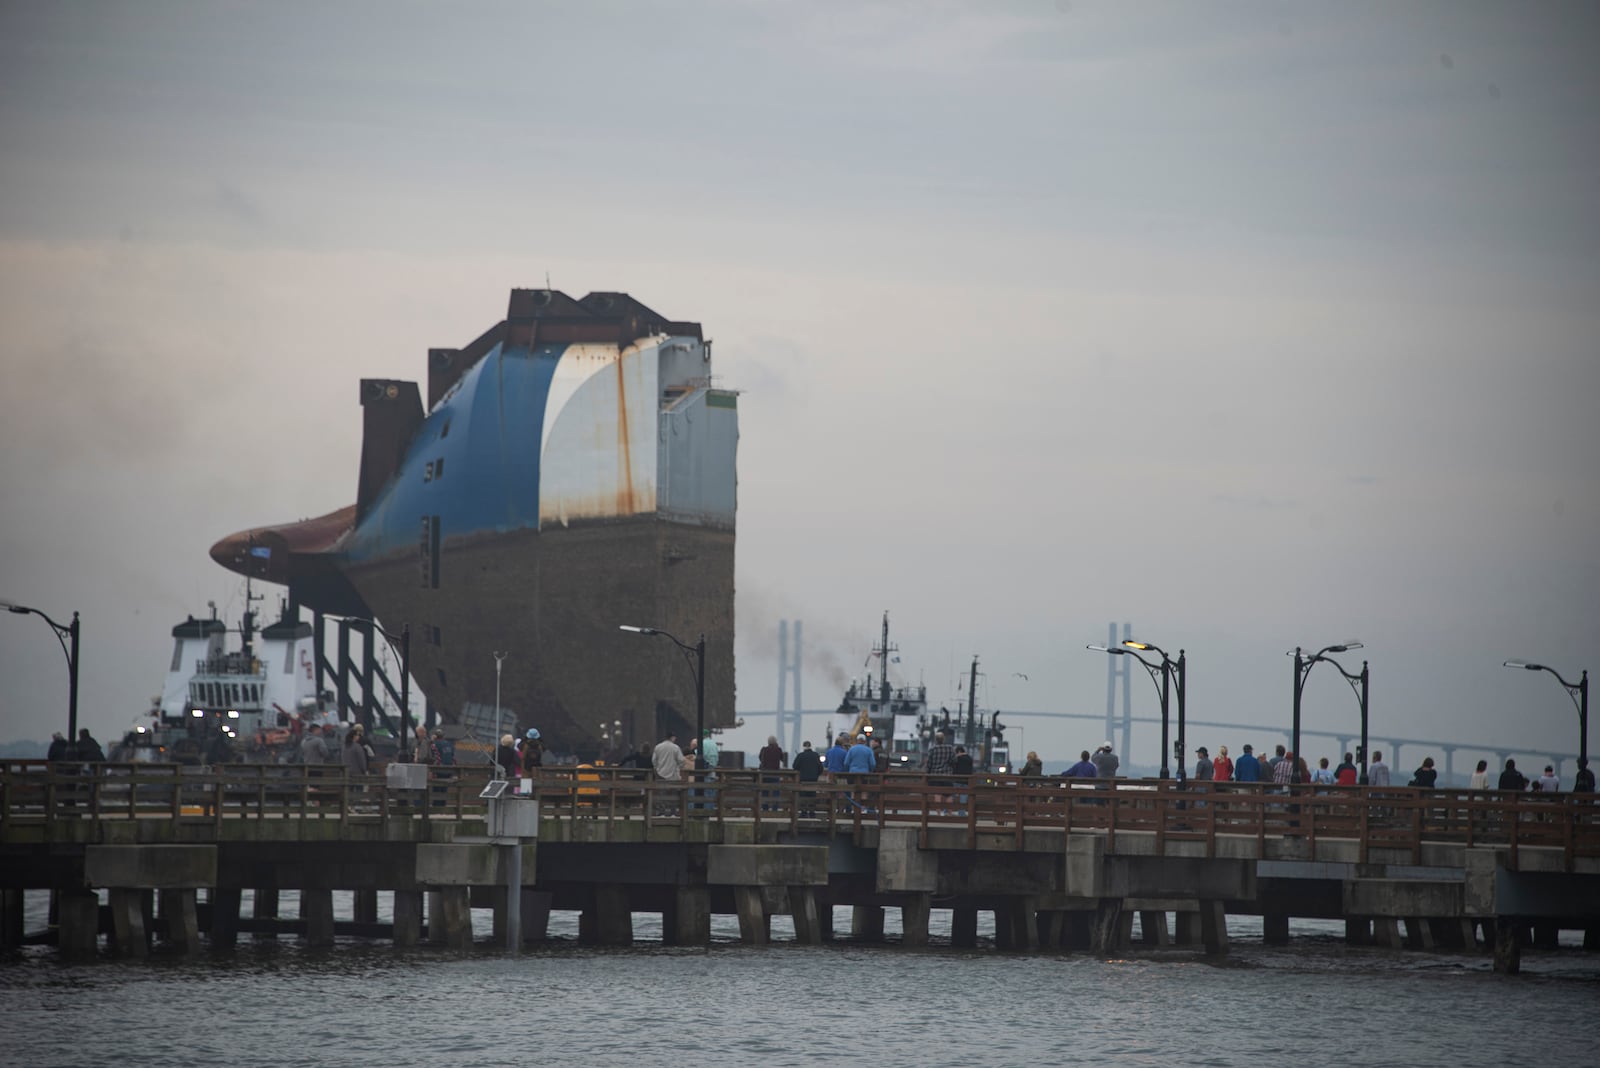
1063 864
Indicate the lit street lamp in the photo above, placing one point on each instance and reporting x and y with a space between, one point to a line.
1302 667
697 665
68 637
1167 668
1578 691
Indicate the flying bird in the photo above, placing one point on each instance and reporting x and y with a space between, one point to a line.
1020 675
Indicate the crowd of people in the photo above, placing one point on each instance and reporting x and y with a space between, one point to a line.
862 754
1284 768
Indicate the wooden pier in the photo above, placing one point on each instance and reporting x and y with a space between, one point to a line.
1063 865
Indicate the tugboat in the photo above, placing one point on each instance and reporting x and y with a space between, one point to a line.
901 715
218 705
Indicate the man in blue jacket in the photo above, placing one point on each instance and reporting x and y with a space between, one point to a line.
1247 768
859 762
833 760
1083 769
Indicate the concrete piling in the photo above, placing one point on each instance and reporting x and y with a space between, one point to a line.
1105 934
316 912
1214 927
11 926
866 923
127 919
264 906
79 930
364 906
752 913
224 907
807 927
180 924
407 912
1508 936
1153 928
964 927
690 921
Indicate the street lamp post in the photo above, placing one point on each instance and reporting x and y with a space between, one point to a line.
404 652
1578 691
67 635
697 665
1302 668
499 659
1168 668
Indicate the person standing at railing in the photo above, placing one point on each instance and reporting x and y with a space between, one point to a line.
1248 769
1324 775
505 757
1204 769
667 760
808 766
834 760
1222 767
1105 762
771 760
961 767
424 753
59 747
937 762
1033 767
355 752
858 764
1583 782
445 748
1425 776
1083 769
1480 777
1511 778
313 748
89 750
1549 782
1377 771
1283 770
1345 773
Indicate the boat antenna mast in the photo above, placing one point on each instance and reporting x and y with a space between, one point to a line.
882 652
247 626
972 710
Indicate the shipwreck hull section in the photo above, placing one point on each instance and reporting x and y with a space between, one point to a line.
553 601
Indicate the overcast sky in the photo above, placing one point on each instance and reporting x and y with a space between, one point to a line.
1255 325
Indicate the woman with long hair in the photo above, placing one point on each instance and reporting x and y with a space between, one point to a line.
355 752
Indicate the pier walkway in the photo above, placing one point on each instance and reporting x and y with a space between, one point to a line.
1062 864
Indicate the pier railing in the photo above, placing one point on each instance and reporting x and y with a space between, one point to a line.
989 808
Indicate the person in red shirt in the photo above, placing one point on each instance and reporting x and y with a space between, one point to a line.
1345 774
1222 767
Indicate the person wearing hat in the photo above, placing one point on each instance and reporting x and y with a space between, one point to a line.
446 748
532 751
1105 762
1202 767
1247 768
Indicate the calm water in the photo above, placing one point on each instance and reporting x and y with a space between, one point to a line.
275 1003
